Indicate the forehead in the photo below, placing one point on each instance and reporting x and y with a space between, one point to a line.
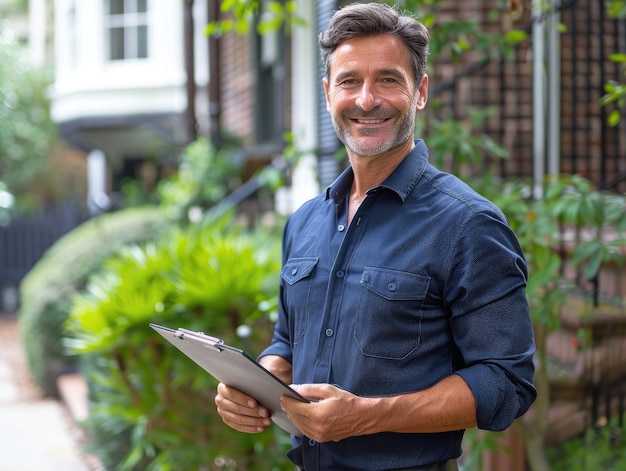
371 53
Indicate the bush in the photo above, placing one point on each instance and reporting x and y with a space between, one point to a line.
151 408
600 448
47 290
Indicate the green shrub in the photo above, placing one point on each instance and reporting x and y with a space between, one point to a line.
151 408
600 448
205 176
47 290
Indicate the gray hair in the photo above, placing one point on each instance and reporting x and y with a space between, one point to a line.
370 19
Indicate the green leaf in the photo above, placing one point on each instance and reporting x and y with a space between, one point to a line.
516 36
291 7
227 5
614 118
617 57
242 26
275 7
593 265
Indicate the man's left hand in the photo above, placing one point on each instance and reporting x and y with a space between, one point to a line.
333 414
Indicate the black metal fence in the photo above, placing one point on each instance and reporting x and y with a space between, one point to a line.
591 146
24 241
588 145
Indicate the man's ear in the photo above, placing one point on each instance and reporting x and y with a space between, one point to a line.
326 89
423 93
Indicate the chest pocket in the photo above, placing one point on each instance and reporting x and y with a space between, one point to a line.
389 315
296 275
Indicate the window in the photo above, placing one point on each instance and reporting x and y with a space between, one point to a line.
126 25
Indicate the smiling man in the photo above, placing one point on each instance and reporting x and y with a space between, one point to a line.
403 313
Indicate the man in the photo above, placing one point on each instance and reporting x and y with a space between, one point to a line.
403 313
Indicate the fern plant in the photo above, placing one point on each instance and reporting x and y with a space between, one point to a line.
151 408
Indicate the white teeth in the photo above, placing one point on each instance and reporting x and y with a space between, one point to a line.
370 121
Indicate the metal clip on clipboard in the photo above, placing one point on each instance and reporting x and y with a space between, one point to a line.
207 340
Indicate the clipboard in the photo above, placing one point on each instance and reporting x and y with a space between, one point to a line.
235 368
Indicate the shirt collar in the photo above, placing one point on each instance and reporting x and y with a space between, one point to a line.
401 181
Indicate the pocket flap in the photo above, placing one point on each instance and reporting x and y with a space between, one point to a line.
298 268
394 284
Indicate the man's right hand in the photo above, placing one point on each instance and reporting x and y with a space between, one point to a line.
240 411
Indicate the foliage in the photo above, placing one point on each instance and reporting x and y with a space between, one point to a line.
615 91
453 37
455 144
593 214
47 289
476 443
456 38
13 7
134 193
27 133
150 405
616 8
276 175
600 448
244 13
205 176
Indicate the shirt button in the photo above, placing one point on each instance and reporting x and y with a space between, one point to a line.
312 442
341 228
391 286
294 271
329 332
340 274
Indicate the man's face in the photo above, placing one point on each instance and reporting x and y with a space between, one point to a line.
371 95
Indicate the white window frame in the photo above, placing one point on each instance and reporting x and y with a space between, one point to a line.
130 22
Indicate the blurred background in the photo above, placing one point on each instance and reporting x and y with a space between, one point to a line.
150 152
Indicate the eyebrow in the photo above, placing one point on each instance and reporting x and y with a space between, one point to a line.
382 72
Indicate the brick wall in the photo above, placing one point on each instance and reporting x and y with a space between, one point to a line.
237 76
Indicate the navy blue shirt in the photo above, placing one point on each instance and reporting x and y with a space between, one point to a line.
428 280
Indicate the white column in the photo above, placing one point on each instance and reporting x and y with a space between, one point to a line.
539 102
546 93
304 104
554 91
97 198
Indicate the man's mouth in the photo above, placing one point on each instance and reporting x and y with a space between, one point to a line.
370 121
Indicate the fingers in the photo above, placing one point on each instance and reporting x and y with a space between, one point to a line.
240 411
330 417
315 391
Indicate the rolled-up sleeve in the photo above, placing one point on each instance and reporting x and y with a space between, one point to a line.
490 319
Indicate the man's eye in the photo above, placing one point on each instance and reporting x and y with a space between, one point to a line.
389 80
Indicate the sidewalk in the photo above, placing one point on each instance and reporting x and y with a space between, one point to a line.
36 433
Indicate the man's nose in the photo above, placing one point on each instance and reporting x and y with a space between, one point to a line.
367 98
